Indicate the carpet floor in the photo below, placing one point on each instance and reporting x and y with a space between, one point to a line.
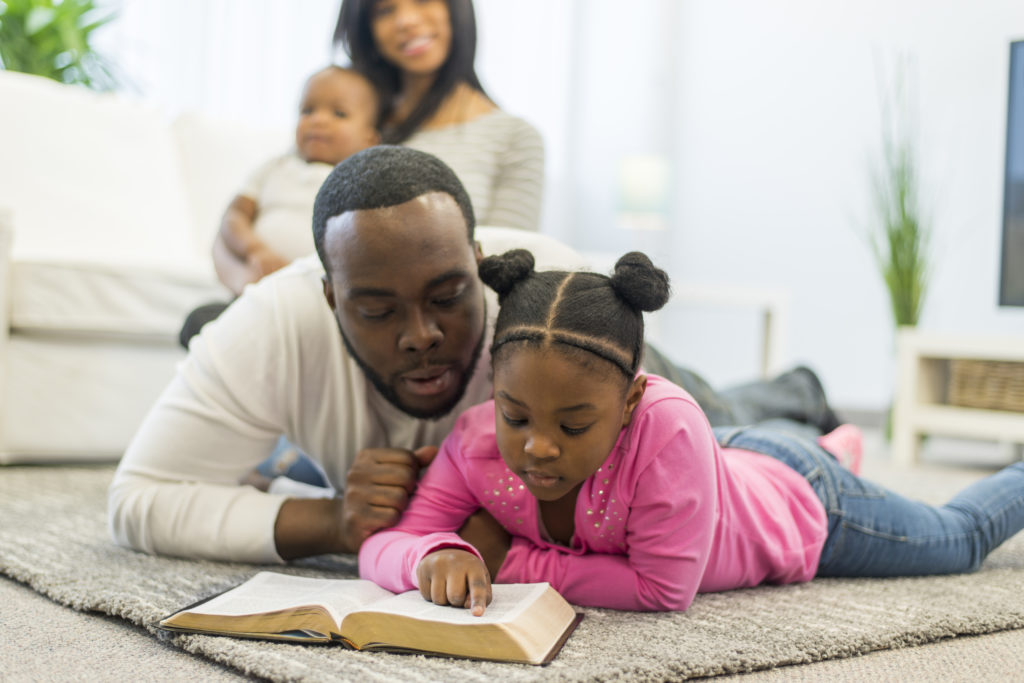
53 539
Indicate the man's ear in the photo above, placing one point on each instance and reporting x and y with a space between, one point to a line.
328 292
633 396
478 252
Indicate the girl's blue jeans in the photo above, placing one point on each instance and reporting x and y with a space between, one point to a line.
875 532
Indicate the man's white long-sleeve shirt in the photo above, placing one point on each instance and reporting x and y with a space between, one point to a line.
273 363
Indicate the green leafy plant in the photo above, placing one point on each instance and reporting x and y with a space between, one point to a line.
51 38
900 236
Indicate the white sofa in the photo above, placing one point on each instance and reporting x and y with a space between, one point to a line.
108 208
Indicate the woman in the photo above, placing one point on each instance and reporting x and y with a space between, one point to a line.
419 54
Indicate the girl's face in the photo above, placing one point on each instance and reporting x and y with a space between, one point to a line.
558 420
413 35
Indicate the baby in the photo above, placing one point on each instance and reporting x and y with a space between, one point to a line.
268 224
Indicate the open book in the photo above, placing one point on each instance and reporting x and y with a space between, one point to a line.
525 623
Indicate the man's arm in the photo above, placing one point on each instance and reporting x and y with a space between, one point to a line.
177 490
377 491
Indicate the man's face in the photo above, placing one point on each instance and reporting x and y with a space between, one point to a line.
404 288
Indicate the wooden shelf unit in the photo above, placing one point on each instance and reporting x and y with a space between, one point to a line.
922 405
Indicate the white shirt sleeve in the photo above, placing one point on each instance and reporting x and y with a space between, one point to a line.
273 363
176 490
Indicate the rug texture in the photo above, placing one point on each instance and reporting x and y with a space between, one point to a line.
53 537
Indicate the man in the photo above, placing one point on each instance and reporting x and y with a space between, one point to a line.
367 384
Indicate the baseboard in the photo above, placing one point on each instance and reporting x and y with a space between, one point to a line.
863 417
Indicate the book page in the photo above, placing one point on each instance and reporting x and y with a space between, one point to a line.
272 592
509 601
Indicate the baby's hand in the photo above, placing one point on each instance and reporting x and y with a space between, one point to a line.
455 577
263 261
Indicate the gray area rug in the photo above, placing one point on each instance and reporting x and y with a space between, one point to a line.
53 537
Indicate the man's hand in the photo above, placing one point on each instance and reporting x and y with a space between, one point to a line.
491 540
455 577
377 490
376 494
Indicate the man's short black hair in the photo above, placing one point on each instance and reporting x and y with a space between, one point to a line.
382 176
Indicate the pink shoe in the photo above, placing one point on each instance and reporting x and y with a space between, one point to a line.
846 442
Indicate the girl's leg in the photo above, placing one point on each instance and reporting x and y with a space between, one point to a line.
875 532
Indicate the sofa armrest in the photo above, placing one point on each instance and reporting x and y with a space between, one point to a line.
6 244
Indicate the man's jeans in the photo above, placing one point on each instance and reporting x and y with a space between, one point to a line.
793 401
875 532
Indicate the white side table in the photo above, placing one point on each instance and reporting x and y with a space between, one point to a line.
922 394
771 305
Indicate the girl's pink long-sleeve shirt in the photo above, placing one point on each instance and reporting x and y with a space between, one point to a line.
669 514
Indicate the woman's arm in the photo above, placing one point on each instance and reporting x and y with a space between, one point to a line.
519 185
240 257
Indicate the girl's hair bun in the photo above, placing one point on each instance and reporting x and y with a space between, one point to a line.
502 273
640 283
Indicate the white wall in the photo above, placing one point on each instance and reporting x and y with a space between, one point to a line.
235 59
767 112
770 115
779 121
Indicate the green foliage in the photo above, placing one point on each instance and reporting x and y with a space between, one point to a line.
51 38
900 237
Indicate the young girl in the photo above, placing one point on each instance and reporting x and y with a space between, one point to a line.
612 486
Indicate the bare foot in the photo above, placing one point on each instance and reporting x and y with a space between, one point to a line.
846 442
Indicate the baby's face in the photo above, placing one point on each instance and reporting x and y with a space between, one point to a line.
336 116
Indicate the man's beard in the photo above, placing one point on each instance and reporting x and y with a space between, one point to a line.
389 393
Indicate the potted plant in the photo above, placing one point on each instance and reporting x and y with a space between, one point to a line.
51 38
900 235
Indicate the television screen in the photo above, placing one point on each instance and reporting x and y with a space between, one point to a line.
1011 281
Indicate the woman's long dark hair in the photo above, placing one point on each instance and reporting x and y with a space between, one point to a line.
354 32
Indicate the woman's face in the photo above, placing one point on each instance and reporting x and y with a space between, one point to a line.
413 35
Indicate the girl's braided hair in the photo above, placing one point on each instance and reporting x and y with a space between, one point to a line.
582 313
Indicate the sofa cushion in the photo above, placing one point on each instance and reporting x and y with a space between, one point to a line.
72 400
72 299
216 157
96 178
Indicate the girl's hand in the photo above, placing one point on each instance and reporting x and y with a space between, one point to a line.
490 539
455 577
377 491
